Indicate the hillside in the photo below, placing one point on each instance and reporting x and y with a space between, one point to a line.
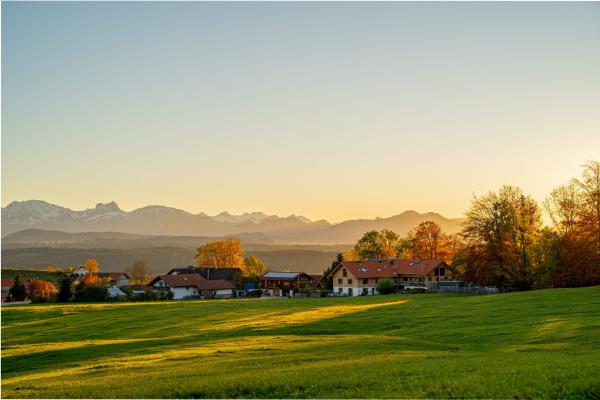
161 259
542 344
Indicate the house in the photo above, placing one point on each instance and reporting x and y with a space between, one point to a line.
192 285
319 281
285 283
353 278
225 274
118 279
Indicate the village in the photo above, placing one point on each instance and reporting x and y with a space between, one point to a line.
348 278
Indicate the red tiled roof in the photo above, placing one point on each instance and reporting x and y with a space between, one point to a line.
217 284
7 282
390 268
195 280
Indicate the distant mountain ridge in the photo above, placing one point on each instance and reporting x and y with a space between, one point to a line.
168 221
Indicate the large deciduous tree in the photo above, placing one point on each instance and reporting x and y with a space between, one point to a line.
377 244
254 266
92 265
139 273
221 254
589 186
428 241
501 231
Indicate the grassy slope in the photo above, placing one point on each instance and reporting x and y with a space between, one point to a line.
30 274
535 344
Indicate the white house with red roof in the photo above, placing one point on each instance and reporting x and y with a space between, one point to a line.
353 278
191 286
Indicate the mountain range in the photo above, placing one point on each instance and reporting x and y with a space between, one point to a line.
167 221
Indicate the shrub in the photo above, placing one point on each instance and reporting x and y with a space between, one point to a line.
65 292
17 291
385 286
91 293
42 291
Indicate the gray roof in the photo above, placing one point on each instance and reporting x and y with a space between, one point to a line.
281 275
115 291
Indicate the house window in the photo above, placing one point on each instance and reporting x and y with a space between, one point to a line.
349 291
340 281
376 280
349 281
365 281
340 290
344 273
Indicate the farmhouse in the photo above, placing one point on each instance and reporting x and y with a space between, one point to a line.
283 283
192 285
353 278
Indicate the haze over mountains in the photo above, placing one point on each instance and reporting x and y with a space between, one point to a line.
37 234
168 221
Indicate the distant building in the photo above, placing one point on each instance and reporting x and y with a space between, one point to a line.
192 286
225 274
353 278
284 283
114 291
118 279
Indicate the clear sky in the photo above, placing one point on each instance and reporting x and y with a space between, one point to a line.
328 110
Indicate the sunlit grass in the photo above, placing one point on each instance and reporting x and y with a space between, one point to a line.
537 344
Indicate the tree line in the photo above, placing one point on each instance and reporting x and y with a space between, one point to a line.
504 241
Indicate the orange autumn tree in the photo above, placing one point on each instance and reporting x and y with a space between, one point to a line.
92 265
428 241
42 291
221 254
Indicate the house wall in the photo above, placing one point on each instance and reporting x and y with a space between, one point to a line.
224 293
182 292
122 282
344 287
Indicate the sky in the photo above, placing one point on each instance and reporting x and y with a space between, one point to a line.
327 110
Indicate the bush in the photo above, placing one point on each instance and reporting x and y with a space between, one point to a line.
42 291
65 292
385 286
17 291
91 293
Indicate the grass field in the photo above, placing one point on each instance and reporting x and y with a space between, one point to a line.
543 344
27 274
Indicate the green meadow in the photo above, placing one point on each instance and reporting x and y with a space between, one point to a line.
541 344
